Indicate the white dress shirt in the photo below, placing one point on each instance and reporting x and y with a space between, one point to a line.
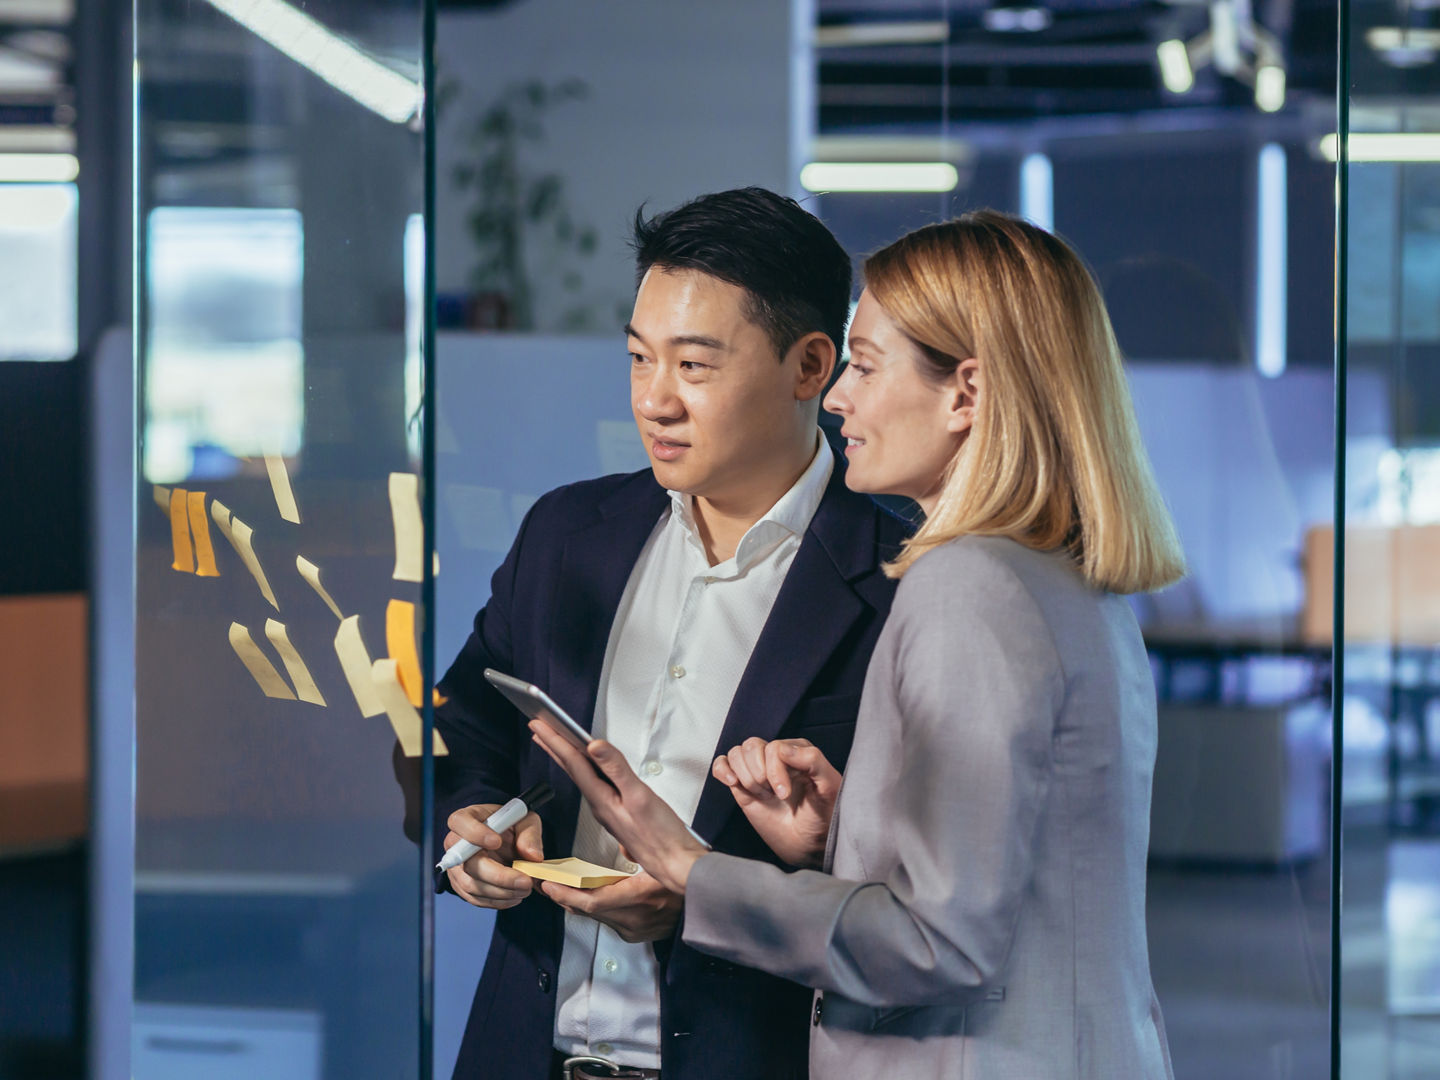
681 639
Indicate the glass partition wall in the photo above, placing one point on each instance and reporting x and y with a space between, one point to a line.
1389 920
282 558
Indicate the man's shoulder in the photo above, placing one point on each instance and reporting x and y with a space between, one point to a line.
580 502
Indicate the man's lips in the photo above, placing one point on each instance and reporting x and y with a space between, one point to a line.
667 449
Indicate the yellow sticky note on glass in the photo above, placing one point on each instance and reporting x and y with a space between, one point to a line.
239 535
280 485
405 721
200 532
305 688
400 643
355 662
409 531
258 663
311 573
162 497
180 532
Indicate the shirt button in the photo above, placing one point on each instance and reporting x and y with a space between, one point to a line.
819 1009
604 1048
611 966
677 672
544 982
653 768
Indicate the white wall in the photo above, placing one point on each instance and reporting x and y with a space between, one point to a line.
685 98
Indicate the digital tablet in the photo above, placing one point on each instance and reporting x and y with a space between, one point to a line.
538 705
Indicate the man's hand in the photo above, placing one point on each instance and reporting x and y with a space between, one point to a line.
485 879
787 790
638 908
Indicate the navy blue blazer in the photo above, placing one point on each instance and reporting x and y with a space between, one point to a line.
548 621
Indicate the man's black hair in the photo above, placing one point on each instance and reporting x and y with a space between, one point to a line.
794 272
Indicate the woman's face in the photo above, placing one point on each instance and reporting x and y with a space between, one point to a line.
901 429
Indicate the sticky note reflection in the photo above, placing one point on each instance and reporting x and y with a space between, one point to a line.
258 664
239 534
180 532
409 532
280 485
162 497
311 573
305 688
400 643
403 718
355 662
200 531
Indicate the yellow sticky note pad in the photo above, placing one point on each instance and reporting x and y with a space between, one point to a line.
200 531
400 642
577 873
180 532
305 687
311 573
409 531
355 662
280 485
404 719
258 664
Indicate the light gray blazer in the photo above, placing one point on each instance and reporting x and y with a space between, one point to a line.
982 913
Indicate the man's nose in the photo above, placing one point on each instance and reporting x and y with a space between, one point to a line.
657 399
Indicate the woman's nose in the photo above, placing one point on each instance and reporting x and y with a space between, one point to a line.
836 401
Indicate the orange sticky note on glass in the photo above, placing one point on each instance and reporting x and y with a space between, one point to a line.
200 531
180 532
400 642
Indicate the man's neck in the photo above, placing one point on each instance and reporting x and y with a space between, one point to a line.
723 521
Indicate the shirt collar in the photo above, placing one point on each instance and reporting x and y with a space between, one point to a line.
790 516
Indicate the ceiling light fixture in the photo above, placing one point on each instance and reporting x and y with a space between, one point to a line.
38 168
892 176
1391 146
357 75
842 35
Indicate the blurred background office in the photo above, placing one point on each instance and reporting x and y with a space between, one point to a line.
214 218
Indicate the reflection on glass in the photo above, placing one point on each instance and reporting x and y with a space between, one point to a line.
279 891
224 361
37 271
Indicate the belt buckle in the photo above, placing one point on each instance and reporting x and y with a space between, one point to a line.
570 1064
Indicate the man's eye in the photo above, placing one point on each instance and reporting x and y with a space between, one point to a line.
636 358
692 365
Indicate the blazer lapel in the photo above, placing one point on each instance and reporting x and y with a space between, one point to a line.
813 612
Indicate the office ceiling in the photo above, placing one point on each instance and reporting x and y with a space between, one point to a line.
1007 63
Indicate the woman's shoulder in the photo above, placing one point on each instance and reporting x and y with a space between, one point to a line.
996 560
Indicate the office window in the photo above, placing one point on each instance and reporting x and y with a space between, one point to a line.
37 271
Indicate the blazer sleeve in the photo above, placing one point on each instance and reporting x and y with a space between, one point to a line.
979 687
480 728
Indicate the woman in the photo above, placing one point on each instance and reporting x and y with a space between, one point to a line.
979 907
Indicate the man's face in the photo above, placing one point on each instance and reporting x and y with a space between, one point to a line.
715 407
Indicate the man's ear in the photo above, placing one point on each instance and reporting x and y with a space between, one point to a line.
816 363
969 384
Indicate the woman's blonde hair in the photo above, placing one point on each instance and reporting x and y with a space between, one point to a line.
1054 458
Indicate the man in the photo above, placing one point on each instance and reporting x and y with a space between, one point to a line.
731 590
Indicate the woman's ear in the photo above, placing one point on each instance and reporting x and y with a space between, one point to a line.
964 396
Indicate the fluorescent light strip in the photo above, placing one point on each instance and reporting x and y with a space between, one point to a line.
1270 263
360 77
38 168
1175 70
1037 191
917 176
1270 88
1385 146
882 33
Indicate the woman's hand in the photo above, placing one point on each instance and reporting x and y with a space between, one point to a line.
653 835
787 790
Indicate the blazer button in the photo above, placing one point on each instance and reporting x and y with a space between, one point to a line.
819 1008
544 982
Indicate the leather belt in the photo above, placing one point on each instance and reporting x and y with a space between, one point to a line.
588 1067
